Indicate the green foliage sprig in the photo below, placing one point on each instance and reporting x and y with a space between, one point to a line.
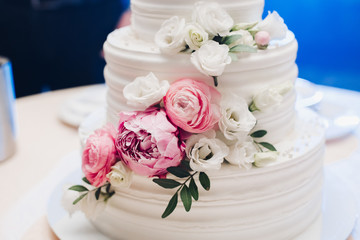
103 190
188 189
261 145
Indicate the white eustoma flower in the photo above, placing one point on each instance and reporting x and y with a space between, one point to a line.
236 120
262 159
91 206
213 18
212 58
246 38
145 91
274 25
195 36
242 154
171 38
271 97
205 151
68 198
120 175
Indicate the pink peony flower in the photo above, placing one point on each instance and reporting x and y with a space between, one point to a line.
99 155
148 143
262 38
192 105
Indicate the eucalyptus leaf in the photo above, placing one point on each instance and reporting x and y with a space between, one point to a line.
243 48
78 188
194 189
178 172
259 134
233 56
228 40
166 183
171 206
79 198
185 196
86 181
97 193
204 180
243 26
268 146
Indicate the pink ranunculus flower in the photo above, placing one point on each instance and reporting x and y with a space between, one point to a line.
192 105
99 155
148 143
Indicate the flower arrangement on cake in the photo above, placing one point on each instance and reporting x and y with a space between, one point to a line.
181 130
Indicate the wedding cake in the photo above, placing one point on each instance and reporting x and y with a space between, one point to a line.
203 140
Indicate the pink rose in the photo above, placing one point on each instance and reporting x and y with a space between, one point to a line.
192 105
148 143
99 155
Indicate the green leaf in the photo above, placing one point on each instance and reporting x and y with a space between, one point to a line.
268 146
205 181
258 134
178 172
194 189
243 48
185 165
243 26
86 181
171 206
108 188
166 183
228 40
185 196
78 188
97 193
79 198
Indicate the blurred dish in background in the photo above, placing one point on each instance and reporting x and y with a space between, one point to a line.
77 108
336 106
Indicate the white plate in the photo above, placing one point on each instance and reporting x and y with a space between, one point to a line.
76 108
338 218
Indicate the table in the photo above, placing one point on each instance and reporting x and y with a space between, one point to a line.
43 140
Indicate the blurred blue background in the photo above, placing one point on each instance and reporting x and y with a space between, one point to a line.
328 32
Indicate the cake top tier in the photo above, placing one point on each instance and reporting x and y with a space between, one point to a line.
148 15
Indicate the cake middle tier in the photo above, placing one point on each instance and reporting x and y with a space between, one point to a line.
148 15
129 57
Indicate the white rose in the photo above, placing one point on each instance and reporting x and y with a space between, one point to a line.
195 36
212 58
68 198
170 38
246 38
242 154
274 25
205 151
236 120
213 18
120 175
92 207
271 97
262 159
145 91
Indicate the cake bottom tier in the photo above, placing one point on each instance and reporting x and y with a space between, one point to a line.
276 202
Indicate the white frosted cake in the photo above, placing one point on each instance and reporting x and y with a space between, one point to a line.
203 140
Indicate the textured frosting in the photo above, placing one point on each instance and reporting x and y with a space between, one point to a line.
148 15
277 202
129 57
